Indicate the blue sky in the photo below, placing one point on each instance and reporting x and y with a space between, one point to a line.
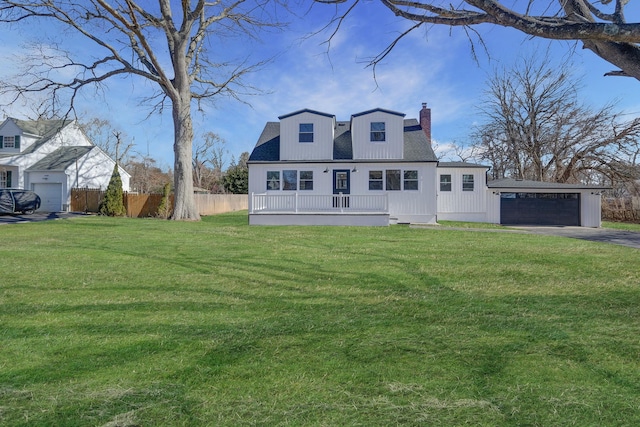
433 65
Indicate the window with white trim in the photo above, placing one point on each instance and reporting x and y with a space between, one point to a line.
4 179
9 142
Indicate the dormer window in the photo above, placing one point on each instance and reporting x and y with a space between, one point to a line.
306 132
378 133
9 142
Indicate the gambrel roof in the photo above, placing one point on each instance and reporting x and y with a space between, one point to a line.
416 146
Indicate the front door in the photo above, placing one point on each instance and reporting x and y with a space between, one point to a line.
341 187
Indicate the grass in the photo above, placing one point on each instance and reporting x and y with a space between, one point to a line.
123 322
621 225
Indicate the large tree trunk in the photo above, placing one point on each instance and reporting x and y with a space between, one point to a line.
184 206
184 203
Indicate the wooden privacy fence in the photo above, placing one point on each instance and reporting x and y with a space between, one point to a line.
146 205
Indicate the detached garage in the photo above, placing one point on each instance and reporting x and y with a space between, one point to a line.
515 202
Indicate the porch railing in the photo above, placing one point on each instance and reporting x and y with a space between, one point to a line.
311 203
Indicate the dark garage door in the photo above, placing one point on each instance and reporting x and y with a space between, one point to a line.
540 208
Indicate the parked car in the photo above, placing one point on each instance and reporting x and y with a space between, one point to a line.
18 201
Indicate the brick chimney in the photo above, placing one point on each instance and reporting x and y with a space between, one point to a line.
425 121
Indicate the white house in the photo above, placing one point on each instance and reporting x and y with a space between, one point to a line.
374 169
51 157
379 168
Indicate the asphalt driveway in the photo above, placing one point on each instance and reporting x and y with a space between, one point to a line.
37 216
604 235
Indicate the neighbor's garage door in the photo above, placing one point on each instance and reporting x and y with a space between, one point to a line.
50 196
540 208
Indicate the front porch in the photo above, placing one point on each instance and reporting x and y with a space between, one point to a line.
314 209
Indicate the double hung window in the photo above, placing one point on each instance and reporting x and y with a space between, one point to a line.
445 182
378 133
306 180
411 180
305 133
375 180
9 142
467 182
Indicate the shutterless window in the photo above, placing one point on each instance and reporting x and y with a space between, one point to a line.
290 180
410 180
306 132
445 182
393 180
273 180
375 180
467 182
306 180
378 131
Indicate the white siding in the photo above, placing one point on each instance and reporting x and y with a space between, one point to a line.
94 171
404 205
322 146
458 205
393 146
590 208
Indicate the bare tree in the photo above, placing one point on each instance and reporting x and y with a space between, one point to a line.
536 128
146 176
600 25
169 44
102 133
208 160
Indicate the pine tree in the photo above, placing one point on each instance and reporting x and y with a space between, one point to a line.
113 202
164 210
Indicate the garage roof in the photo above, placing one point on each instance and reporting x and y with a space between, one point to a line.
539 185
60 159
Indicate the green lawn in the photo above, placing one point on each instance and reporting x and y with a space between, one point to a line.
621 225
132 322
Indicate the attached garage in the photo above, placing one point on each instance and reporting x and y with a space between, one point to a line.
50 196
540 208
519 202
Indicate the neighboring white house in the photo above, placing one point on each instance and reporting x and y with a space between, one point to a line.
379 168
51 157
